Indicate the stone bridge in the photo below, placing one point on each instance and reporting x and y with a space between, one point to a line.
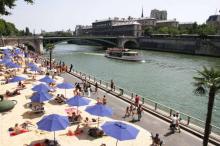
36 43
33 42
121 42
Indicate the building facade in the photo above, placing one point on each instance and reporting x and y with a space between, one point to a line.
214 20
81 30
158 14
116 27
167 23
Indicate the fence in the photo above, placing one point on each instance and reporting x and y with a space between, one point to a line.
186 120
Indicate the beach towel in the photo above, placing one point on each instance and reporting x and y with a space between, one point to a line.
14 134
70 133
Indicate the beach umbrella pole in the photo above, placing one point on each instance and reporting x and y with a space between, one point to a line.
54 137
116 142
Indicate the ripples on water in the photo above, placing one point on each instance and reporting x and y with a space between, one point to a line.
164 77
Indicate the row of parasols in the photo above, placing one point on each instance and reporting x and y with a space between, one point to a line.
54 122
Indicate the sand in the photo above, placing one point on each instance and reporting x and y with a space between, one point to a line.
20 114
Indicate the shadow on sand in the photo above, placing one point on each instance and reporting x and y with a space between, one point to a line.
31 115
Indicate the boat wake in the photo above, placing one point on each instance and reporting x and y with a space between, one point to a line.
95 54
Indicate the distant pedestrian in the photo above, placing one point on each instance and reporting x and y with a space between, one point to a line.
104 100
137 100
112 85
71 67
89 90
96 87
127 112
139 112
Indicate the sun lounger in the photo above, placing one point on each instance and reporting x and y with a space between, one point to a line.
37 110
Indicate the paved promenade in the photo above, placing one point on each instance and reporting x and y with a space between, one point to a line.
148 122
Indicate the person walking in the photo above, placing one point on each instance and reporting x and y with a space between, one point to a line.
71 67
89 90
112 85
137 100
139 112
96 87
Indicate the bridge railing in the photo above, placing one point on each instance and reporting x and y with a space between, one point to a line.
186 120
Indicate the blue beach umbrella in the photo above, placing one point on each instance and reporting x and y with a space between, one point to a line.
53 122
6 51
120 131
47 79
99 110
31 64
13 65
18 51
40 97
41 87
17 79
5 61
65 85
78 101
35 68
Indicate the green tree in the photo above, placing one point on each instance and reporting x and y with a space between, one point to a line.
49 48
148 31
9 4
173 31
208 81
204 30
163 30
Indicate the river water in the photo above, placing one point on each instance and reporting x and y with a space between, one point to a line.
166 78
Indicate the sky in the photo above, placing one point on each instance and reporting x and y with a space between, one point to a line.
54 15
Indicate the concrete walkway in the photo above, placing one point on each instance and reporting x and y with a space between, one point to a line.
148 122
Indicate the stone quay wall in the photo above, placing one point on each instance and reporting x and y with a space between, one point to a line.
194 46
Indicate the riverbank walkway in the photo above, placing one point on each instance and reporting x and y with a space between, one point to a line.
149 122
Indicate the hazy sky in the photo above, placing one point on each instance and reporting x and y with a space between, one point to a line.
53 15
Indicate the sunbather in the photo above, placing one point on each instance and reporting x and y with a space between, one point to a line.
20 85
13 93
18 129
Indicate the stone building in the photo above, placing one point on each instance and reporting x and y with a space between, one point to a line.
167 23
116 27
214 20
158 14
127 29
104 27
83 30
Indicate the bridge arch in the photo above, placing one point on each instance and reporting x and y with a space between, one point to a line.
133 44
100 41
30 45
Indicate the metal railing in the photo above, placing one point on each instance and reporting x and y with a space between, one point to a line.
186 120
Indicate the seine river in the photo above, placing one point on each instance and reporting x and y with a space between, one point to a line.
164 77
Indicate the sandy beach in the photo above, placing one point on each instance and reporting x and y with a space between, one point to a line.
20 113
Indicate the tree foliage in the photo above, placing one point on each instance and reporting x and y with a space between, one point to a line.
6 5
202 30
208 81
7 28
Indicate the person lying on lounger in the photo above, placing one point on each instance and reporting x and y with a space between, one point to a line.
20 85
13 93
18 129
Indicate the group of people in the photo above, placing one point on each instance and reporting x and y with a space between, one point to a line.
102 100
135 111
60 98
175 122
